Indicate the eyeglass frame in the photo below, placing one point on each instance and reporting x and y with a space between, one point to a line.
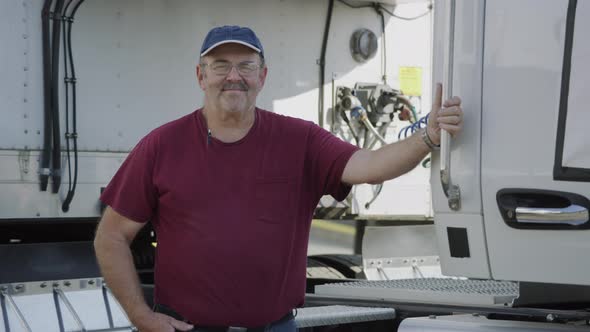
231 66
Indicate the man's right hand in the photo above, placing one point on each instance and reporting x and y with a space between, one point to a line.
157 322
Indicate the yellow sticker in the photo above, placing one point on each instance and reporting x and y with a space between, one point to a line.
410 79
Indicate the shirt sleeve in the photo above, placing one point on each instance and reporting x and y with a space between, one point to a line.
328 157
132 192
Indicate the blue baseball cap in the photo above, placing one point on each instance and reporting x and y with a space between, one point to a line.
231 34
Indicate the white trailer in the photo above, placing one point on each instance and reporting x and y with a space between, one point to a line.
511 243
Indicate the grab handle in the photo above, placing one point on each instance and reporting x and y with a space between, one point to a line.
452 191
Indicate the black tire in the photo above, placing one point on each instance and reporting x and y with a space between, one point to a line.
319 270
350 266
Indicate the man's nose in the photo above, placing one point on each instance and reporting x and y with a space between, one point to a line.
233 74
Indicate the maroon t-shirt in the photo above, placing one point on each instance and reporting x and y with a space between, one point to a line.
232 219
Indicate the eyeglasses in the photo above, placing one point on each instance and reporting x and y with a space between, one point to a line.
223 67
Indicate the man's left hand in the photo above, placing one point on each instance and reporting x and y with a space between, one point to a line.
447 116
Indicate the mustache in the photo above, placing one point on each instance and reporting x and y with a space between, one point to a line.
235 86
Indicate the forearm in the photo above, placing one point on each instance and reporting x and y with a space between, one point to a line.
393 160
386 163
116 264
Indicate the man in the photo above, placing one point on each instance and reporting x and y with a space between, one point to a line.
230 190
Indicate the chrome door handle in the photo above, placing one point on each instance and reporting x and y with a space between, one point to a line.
452 191
572 215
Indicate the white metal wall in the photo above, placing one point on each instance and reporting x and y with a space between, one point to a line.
523 65
135 64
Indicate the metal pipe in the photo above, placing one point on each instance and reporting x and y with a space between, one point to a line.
381 131
45 171
116 302
56 133
19 314
372 129
322 63
107 306
65 300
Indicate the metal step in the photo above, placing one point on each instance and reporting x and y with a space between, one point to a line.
65 305
339 314
432 290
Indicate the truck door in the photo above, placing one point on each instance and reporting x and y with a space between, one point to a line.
457 63
535 152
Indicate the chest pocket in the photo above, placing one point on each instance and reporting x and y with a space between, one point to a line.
275 199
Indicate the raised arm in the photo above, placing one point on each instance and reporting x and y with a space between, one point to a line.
393 160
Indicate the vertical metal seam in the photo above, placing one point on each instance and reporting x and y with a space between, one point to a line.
560 172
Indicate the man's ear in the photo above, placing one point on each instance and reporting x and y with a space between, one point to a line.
262 77
201 76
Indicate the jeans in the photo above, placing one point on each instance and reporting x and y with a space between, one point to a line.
285 324
282 326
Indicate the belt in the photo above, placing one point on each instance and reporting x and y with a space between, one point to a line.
170 312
